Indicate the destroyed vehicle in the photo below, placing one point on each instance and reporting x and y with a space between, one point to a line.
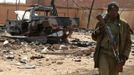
38 21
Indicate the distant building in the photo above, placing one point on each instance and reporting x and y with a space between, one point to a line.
71 8
85 3
32 2
13 1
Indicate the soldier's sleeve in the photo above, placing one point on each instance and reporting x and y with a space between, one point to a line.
128 42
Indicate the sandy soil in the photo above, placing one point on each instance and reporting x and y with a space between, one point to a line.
26 59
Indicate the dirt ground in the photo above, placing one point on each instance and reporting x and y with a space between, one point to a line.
22 58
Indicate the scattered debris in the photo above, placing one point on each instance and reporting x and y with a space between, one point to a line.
5 42
27 66
1 70
24 59
36 57
59 62
82 43
25 55
77 59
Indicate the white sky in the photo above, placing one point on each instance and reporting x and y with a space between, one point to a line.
12 1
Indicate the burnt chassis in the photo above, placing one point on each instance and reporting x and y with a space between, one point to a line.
44 25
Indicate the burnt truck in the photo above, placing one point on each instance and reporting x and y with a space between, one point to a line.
41 21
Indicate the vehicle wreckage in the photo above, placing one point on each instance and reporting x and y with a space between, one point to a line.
41 23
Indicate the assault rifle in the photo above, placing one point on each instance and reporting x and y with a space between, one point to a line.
111 38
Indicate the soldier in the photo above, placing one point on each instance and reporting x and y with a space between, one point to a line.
104 57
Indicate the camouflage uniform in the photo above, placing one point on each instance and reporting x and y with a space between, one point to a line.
103 56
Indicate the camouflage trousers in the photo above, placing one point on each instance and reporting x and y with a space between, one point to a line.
107 65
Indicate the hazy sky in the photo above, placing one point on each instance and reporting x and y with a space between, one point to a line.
12 1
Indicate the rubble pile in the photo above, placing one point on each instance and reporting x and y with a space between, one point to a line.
73 58
26 55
